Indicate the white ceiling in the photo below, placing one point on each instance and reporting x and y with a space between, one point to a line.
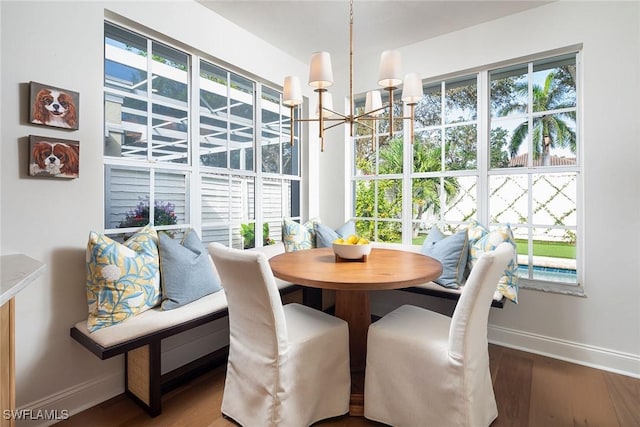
302 27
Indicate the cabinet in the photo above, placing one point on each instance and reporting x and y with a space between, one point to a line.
17 272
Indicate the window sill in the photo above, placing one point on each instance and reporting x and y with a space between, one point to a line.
552 287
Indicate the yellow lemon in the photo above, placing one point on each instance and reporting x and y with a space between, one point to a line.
339 241
362 241
352 239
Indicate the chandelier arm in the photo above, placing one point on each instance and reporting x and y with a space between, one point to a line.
325 119
369 113
342 116
335 124
366 125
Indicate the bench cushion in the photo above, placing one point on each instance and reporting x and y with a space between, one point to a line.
154 320
431 286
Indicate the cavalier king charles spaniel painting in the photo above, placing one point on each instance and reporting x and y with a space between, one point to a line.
53 107
54 157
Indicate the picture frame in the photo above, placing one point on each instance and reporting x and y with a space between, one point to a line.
54 157
53 106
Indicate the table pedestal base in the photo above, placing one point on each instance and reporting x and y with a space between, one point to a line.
353 307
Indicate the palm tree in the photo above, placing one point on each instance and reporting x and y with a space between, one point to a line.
549 130
426 158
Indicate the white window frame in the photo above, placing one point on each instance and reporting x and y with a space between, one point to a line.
192 169
483 170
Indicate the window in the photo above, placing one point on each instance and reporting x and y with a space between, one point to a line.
500 146
180 145
377 184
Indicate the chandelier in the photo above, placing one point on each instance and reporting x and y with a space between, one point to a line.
321 77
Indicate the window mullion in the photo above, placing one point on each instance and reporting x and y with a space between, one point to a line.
443 147
530 116
149 104
152 195
228 89
195 183
257 144
407 187
530 228
484 147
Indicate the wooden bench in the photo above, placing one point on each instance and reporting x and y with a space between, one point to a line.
433 289
139 339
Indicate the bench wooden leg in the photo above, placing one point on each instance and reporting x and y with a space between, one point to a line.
143 377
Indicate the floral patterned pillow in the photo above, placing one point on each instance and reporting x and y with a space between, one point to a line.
489 240
296 236
123 279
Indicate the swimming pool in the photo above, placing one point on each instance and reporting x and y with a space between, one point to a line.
549 274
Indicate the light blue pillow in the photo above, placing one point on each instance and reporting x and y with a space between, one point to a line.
452 252
326 235
187 272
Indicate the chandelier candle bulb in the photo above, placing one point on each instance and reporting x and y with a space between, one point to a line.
320 70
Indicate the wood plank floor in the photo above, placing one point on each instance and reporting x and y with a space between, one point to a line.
530 390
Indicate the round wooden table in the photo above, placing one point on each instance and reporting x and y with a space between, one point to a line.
383 269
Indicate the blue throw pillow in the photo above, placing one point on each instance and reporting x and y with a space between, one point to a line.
451 251
326 235
186 271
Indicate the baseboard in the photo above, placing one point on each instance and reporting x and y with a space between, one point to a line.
581 354
65 403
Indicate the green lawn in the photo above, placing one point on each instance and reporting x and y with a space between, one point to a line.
540 248
550 249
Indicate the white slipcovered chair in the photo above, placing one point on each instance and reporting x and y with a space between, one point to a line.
426 369
288 365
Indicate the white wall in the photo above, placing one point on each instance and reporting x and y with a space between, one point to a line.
602 329
61 44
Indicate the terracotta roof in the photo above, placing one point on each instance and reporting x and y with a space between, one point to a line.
521 161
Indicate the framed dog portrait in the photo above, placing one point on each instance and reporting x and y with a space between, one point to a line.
52 106
53 157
